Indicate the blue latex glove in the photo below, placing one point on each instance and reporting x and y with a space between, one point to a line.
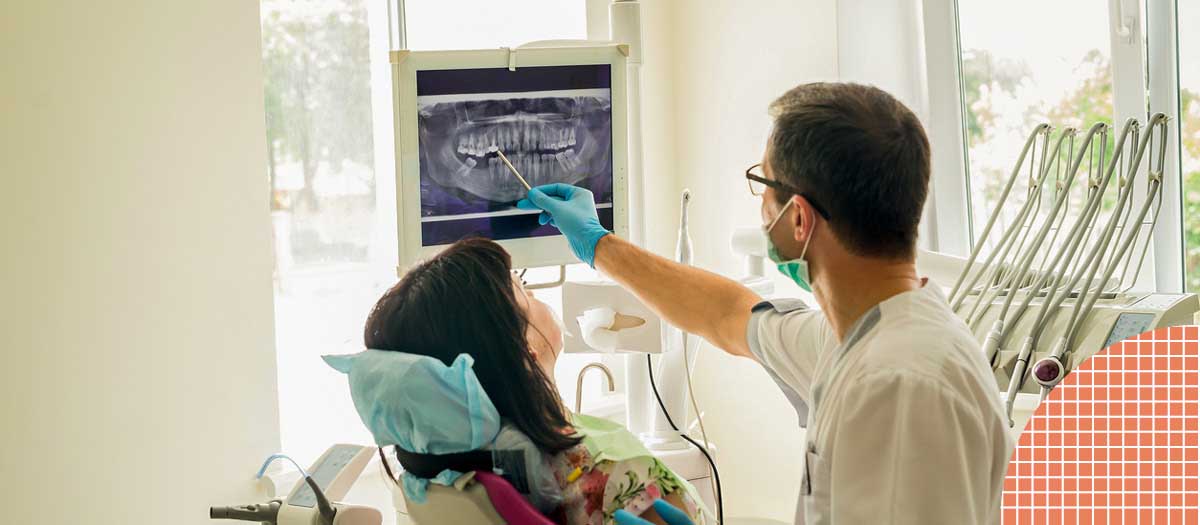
572 210
669 514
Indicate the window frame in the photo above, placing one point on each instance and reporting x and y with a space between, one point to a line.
1164 89
953 229
1145 71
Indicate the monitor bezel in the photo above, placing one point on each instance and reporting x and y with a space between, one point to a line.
526 253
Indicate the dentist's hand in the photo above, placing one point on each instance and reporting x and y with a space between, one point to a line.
572 210
669 514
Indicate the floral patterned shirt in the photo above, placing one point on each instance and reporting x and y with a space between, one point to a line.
594 490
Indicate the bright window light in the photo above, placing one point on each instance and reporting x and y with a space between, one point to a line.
333 196
1025 62
1189 127
476 24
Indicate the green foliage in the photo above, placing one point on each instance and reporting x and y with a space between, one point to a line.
1092 101
981 74
1189 113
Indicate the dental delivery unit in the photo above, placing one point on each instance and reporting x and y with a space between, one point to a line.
1061 282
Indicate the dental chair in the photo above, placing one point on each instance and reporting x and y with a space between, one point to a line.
442 423
477 498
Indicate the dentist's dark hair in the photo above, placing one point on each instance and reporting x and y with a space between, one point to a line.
462 301
863 155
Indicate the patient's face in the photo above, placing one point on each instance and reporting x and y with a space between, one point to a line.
544 335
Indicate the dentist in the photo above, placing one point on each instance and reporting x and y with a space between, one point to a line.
904 423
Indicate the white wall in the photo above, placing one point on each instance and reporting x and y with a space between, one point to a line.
660 146
881 43
659 53
884 43
722 62
138 377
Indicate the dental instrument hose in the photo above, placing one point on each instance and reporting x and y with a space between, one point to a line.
324 508
683 254
711 463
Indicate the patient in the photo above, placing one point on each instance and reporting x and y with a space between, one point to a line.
467 300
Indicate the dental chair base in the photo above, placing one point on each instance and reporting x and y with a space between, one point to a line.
465 502
477 498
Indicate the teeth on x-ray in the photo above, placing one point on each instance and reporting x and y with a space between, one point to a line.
547 139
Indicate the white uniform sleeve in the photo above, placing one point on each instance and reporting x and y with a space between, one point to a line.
787 337
909 449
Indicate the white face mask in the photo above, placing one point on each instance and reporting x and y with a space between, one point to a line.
794 269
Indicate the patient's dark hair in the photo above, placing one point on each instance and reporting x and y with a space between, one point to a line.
462 301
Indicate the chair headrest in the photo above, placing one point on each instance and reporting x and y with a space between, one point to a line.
417 402
421 405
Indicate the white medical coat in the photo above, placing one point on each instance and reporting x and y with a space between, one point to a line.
904 419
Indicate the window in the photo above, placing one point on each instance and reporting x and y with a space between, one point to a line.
1022 66
477 24
330 173
332 240
1188 14
1073 62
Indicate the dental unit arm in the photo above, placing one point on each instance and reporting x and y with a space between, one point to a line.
1042 130
1073 274
309 502
958 293
1034 249
1050 370
998 269
679 355
1010 275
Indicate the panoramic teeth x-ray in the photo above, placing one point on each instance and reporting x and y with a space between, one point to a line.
554 124
547 139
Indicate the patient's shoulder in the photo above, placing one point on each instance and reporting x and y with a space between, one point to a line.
596 485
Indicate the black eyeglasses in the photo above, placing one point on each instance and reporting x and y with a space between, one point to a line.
758 185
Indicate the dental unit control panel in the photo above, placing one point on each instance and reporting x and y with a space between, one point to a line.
309 502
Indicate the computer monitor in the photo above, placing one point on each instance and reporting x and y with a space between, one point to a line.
558 117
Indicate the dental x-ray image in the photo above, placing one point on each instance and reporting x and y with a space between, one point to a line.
554 124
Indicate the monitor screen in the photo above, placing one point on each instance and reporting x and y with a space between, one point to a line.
553 123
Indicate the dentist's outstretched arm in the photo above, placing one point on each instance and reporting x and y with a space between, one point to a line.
695 300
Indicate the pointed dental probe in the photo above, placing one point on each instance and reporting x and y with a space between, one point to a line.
683 248
510 167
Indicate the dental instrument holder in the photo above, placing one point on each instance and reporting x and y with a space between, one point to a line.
644 336
674 363
1050 370
1072 274
310 501
648 335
